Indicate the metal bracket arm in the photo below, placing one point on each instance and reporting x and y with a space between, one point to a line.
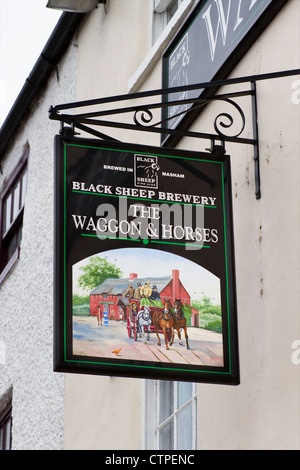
149 114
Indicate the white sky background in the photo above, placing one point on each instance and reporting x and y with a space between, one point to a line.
25 27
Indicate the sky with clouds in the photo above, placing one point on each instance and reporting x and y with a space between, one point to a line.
25 26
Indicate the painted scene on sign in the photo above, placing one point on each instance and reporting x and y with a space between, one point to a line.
146 305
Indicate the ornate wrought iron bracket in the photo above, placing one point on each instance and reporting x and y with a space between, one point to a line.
180 104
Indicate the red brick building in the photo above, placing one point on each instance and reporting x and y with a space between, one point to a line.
111 293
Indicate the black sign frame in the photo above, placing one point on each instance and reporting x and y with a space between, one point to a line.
264 12
67 244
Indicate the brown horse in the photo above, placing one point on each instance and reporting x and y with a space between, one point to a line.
180 321
163 320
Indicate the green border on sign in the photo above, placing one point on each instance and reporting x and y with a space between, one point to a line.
141 367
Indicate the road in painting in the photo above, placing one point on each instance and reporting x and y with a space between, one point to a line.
92 340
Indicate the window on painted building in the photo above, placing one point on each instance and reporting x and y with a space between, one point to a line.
12 201
170 415
163 11
5 428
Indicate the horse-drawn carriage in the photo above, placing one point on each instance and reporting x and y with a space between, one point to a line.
147 317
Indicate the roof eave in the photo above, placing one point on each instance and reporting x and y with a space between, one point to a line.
37 80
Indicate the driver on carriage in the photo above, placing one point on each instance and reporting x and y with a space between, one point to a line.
130 292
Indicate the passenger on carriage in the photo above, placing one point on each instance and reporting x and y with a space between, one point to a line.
146 290
154 294
138 292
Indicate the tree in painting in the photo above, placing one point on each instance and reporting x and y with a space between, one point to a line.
96 272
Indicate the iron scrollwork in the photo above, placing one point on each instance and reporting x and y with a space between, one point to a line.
143 119
230 119
143 116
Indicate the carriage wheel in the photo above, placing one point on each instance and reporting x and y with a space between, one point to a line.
134 331
129 328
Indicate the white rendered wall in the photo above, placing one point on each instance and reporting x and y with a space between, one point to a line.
26 295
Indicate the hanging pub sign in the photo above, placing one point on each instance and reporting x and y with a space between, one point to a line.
210 43
144 277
